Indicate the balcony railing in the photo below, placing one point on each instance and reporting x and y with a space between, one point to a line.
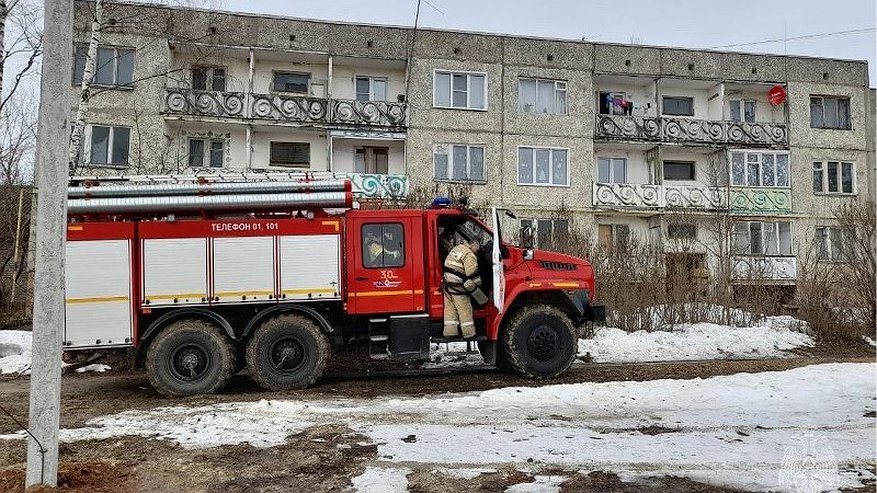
759 200
287 108
765 268
379 186
646 196
689 130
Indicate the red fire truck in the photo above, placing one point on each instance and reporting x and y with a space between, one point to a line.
206 276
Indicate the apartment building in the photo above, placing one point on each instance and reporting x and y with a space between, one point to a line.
722 158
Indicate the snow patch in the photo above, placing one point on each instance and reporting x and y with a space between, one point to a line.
15 351
96 368
773 338
463 472
382 480
540 484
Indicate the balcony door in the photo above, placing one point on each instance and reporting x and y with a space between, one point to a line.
612 170
371 160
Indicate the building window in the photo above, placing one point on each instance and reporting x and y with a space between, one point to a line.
614 103
546 232
113 67
759 169
371 88
679 170
383 245
290 154
543 166
833 243
371 160
742 110
208 78
109 145
834 177
612 170
682 231
459 162
206 153
542 96
613 236
677 105
763 238
296 82
830 112
460 90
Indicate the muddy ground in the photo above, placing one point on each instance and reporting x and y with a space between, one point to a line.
320 459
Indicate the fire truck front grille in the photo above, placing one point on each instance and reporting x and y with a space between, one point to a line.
556 265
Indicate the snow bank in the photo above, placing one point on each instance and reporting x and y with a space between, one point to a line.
381 480
96 368
14 351
771 338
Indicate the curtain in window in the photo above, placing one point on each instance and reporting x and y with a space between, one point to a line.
104 68
525 165
771 240
785 238
458 163
541 165
100 138
440 160
558 159
756 246
476 163
217 149
476 91
816 120
782 167
545 97
442 89
846 177
767 170
527 95
738 169
832 177
125 70
752 178
817 177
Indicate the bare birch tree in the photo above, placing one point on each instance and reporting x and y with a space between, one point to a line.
75 148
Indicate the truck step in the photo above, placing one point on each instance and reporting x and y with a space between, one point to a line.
379 337
444 340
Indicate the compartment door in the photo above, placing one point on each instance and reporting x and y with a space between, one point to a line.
175 271
243 269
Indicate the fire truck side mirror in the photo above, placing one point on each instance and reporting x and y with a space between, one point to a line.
527 238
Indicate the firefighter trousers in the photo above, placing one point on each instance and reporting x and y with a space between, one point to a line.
458 315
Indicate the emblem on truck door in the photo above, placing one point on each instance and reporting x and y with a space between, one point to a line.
388 280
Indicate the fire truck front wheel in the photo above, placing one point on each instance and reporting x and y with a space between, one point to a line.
287 352
539 342
188 357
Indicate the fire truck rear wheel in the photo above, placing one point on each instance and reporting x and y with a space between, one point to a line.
539 342
287 352
189 357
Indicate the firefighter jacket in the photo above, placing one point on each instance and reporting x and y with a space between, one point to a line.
461 274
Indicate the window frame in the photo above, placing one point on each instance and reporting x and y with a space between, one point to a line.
450 148
371 87
307 91
210 77
288 165
676 228
557 90
760 152
825 251
692 164
364 246
824 178
111 137
822 98
207 153
534 223
468 74
614 232
764 237
741 106
665 97
612 169
611 108
550 167
77 79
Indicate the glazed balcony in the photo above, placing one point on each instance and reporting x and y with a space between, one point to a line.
659 129
752 268
285 108
645 196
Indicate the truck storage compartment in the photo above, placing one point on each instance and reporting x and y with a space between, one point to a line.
310 267
174 271
243 270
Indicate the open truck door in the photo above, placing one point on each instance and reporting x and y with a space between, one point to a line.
496 258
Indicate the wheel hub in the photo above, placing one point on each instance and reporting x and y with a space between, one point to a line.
543 342
189 362
287 355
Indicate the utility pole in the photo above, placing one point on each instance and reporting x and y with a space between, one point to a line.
51 225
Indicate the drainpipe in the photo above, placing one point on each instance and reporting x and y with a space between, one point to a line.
330 114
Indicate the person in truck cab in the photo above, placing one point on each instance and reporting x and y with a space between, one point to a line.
462 284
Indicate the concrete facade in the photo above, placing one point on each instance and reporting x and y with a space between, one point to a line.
252 49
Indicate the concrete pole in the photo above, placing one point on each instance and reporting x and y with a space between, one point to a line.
51 224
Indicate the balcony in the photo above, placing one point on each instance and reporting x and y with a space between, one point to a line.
778 269
644 196
690 131
285 108
379 186
760 200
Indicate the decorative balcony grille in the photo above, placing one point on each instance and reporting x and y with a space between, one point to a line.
378 186
765 268
758 200
282 107
205 103
380 113
688 130
646 196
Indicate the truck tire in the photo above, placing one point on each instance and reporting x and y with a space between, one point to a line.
539 342
287 352
190 356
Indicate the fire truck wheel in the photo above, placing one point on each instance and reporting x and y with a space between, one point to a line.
539 342
188 357
287 352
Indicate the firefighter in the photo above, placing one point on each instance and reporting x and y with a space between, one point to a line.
462 284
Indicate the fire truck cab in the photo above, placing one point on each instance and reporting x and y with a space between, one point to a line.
273 284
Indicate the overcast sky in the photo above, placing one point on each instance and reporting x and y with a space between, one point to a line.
684 23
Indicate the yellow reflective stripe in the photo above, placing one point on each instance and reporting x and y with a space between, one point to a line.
402 292
96 299
309 291
331 223
244 293
565 284
535 284
177 296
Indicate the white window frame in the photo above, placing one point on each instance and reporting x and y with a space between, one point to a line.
673 115
557 90
825 250
823 169
822 98
741 103
612 169
371 86
115 84
206 158
86 156
550 167
534 223
449 147
210 77
778 244
746 153
468 75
